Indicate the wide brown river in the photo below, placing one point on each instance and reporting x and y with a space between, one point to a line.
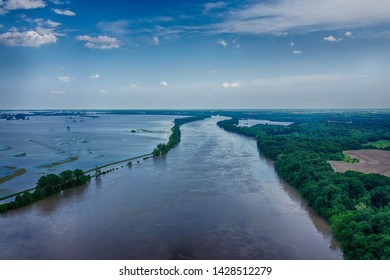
212 197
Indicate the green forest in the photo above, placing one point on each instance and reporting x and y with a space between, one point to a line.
357 205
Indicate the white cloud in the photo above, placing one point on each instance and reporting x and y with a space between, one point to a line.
95 76
24 4
42 22
99 42
135 86
273 17
213 5
297 52
53 24
292 44
222 42
57 92
331 38
103 91
30 38
231 85
348 34
64 79
164 84
64 12
155 41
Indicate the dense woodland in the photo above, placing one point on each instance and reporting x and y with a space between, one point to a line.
357 205
48 185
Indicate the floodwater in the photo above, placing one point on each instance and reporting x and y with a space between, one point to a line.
52 144
252 122
212 197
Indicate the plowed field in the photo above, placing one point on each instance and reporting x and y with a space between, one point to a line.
370 161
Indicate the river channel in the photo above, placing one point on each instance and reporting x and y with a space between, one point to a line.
211 197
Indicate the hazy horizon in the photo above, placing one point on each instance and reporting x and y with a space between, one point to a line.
182 55
198 109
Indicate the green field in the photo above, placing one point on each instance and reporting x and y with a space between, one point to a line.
380 144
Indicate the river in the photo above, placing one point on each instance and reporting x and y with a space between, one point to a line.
211 197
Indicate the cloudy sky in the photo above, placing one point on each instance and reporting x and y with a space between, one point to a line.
194 54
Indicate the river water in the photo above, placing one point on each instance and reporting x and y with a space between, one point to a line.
212 197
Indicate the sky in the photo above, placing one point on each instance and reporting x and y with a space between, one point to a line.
250 54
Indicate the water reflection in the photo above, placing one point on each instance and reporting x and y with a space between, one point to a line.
212 197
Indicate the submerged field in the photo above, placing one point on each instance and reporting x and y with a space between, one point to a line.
51 144
370 161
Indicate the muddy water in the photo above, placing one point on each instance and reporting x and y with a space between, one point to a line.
212 197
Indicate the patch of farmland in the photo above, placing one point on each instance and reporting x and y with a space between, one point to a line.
370 161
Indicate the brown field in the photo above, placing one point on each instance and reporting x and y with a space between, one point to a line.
370 161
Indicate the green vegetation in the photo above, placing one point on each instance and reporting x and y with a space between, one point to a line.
350 159
174 139
47 185
357 205
380 144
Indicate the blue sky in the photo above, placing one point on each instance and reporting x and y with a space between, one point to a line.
194 54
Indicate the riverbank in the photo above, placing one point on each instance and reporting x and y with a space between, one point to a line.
352 202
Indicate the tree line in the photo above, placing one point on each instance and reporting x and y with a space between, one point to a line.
48 185
174 138
357 205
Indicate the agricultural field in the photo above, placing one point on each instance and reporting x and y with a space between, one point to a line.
370 161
